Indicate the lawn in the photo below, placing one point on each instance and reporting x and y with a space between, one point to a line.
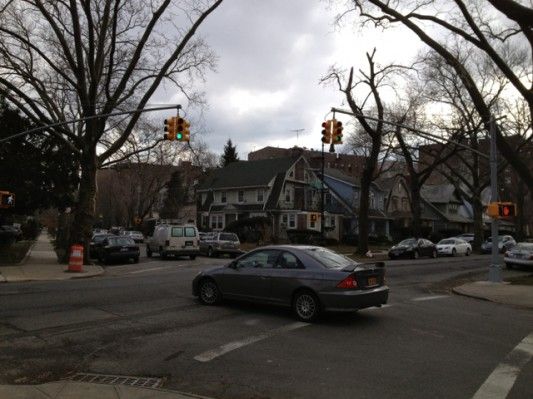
13 254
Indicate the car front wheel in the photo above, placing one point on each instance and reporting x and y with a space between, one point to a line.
306 306
209 292
434 253
468 252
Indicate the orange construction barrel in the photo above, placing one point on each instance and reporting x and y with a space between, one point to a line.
75 261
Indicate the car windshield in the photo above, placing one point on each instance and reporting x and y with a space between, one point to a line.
228 237
500 238
446 242
330 259
120 241
409 241
99 238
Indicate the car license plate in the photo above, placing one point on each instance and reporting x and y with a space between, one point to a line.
372 281
188 243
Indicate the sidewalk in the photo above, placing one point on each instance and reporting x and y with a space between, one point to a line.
41 264
81 390
516 295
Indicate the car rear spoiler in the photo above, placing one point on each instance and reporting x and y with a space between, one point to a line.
353 266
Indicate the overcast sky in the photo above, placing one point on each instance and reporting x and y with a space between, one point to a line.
272 55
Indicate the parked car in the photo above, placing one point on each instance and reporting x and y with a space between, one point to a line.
222 243
96 243
468 237
413 248
520 254
309 279
171 239
9 234
137 236
100 231
118 248
505 243
453 246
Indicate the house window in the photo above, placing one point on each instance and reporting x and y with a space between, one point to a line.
328 198
216 221
291 173
287 194
241 196
372 201
260 195
292 220
223 197
332 221
453 208
284 220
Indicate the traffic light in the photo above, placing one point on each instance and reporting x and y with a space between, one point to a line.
326 131
182 129
499 210
7 199
506 209
337 132
170 128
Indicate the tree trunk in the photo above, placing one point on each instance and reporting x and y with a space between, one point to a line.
520 214
85 207
415 207
364 205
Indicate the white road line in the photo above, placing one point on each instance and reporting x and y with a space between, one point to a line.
502 379
222 350
429 298
378 308
153 268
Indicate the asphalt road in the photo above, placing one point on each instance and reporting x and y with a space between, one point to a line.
142 320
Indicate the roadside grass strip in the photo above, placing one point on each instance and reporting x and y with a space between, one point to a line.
222 350
501 381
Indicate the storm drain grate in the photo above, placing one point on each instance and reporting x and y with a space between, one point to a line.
109 379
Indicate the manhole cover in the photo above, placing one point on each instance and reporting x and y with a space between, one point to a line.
109 379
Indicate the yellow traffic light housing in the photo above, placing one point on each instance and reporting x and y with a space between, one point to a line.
182 129
170 129
326 131
501 210
337 132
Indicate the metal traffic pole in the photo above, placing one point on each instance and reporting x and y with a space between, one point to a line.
495 275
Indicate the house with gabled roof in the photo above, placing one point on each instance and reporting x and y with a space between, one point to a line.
285 190
343 196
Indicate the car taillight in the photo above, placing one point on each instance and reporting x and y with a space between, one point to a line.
348 282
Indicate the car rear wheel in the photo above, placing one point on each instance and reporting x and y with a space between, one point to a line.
434 253
306 306
209 292
136 259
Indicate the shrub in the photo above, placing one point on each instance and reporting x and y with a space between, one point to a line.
312 237
253 229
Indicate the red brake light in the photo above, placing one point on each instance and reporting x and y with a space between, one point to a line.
348 282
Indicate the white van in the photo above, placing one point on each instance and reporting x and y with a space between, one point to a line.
172 239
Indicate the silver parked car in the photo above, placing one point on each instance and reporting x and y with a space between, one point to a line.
309 279
220 243
520 254
505 243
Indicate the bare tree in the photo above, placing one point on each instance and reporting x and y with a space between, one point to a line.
472 24
62 60
374 80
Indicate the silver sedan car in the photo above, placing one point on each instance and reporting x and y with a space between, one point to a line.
309 279
519 255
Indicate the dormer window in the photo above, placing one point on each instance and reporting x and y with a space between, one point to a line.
260 195
223 198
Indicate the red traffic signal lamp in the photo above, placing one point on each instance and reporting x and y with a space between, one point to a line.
170 129
506 209
7 199
337 131
326 131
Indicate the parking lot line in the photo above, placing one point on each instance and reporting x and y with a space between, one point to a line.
502 379
222 350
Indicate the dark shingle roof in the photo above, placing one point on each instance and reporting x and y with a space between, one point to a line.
246 173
